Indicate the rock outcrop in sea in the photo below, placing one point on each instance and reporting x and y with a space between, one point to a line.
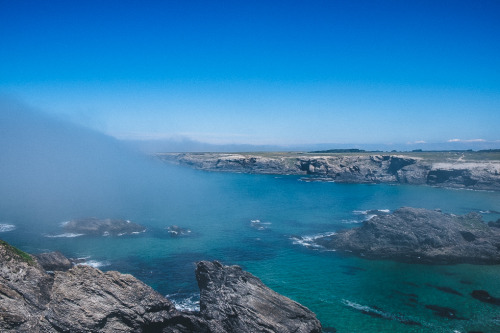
352 168
420 236
99 227
85 299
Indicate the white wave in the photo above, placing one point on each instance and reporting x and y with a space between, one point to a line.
365 212
257 224
189 303
94 263
362 307
62 224
4 227
351 221
65 235
309 241
369 217
130 233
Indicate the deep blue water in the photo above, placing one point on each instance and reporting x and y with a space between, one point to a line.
287 213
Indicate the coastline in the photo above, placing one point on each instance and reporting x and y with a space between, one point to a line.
440 169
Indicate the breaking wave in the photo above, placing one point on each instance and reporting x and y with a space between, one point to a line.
185 302
309 241
6 227
65 235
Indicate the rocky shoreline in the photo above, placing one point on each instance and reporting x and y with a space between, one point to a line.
352 168
420 236
84 299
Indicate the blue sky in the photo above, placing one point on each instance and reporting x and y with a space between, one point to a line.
260 72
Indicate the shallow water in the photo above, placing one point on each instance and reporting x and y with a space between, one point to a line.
267 224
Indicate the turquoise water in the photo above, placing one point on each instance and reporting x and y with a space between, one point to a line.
265 223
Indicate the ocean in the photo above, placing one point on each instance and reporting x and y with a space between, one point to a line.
267 224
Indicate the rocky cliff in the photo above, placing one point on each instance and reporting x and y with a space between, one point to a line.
85 299
421 236
352 168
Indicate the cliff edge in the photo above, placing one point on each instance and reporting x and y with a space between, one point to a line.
85 299
435 169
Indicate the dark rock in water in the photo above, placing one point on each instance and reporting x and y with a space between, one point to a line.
329 329
54 261
421 236
445 312
446 289
176 231
84 299
484 296
103 227
233 300
352 270
449 290
495 224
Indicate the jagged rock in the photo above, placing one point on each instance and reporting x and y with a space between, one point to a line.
54 261
84 299
24 290
233 300
421 236
98 227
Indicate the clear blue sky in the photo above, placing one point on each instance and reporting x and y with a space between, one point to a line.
260 72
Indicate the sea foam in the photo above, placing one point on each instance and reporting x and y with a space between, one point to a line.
6 227
65 235
308 241
185 302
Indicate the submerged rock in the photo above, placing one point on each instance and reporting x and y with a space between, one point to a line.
176 231
84 299
445 312
103 227
421 236
484 296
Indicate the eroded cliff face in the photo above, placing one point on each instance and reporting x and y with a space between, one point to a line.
85 299
480 175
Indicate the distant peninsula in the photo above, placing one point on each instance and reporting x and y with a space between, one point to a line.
453 169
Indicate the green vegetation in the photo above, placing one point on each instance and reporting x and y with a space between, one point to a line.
15 252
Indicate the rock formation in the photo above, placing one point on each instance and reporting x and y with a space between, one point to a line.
421 236
53 261
99 227
253 308
84 299
351 168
